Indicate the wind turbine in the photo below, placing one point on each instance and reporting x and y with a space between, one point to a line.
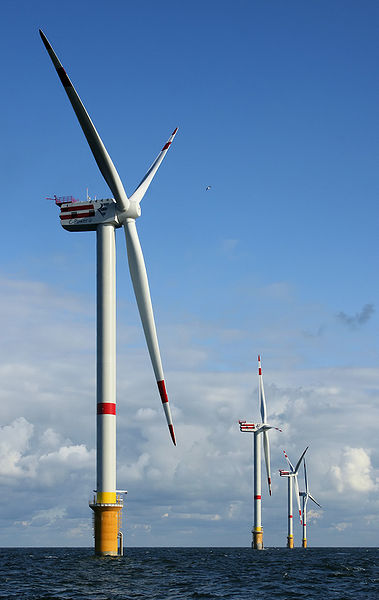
292 476
258 429
305 495
104 216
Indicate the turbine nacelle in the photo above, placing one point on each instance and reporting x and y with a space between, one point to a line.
285 473
86 216
245 426
256 427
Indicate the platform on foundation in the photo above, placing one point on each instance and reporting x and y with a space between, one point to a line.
107 524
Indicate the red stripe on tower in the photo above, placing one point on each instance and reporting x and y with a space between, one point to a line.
162 391
257 497
106 408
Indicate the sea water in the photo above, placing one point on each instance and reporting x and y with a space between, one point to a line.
184 573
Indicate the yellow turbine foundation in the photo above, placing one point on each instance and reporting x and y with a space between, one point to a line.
258 539
304 543
289 541
107 525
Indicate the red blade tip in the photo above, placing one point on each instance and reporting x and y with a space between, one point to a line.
171 428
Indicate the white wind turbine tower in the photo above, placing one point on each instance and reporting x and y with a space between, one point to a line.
292 476
104 216
305 496
258 429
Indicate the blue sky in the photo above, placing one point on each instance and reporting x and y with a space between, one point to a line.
276 105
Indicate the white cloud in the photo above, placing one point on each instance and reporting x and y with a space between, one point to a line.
146 414
48 517
50 439
22 455
144 526
234 509
14 441
314 515
342 526
197 516
77 457
44 518
353 473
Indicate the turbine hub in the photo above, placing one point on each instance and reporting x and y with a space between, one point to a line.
133 212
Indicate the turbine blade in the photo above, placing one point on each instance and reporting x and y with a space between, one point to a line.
142 187
103 160
262 399
266 448
289 462
313 500
299 461
141 289
305 478
298 498
268 426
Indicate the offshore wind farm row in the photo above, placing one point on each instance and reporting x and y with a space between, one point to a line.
104 216
260 430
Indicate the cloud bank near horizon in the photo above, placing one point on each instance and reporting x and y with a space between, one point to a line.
199 493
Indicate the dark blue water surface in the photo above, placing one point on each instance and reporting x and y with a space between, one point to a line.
184 573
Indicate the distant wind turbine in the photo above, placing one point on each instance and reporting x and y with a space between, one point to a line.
305 496
259 429
292 476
